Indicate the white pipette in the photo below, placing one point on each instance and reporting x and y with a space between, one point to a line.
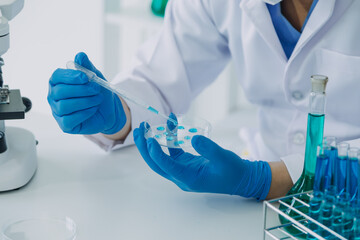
93 77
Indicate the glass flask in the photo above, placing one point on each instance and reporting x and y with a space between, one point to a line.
314 138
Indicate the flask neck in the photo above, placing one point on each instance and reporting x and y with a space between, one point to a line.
317 103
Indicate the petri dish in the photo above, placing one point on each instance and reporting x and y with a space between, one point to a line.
181 136
40 228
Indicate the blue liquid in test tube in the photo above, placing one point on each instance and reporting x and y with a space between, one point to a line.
340 207
322 179
314 211
347 222
341 167
327 210
331 152
352 173
356 228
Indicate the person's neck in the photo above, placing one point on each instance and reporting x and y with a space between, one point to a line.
296 11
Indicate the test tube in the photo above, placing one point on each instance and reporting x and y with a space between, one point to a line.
341 206
357 202
356 233
331 142
352 172
340 167
356 229
316 200
347 221
322 178
327 210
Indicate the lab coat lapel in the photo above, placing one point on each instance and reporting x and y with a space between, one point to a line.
325 12
258 13
323 18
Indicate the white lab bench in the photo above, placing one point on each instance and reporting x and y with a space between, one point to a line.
116 195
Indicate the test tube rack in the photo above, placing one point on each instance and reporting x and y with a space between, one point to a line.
274 229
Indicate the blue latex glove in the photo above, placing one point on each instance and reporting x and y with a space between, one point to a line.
83 107
216 170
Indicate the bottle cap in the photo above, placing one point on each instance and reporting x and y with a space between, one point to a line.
318 83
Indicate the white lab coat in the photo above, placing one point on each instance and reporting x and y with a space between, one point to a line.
198 39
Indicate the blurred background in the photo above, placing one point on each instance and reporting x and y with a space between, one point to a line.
47 34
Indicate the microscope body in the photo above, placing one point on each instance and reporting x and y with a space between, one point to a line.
18 157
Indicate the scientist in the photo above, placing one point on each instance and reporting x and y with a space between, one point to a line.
275 46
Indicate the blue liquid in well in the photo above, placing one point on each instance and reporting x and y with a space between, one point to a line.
340 174
181 128
172 123
169 138
158 136
161 129
193 130
177 143
187 137
322 179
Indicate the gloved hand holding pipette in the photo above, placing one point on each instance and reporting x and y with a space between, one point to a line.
92 77
83 107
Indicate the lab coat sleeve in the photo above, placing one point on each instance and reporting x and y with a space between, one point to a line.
294 164
172 68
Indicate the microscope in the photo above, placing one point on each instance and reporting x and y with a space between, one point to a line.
18 157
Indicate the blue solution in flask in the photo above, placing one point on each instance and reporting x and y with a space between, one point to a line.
158 7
